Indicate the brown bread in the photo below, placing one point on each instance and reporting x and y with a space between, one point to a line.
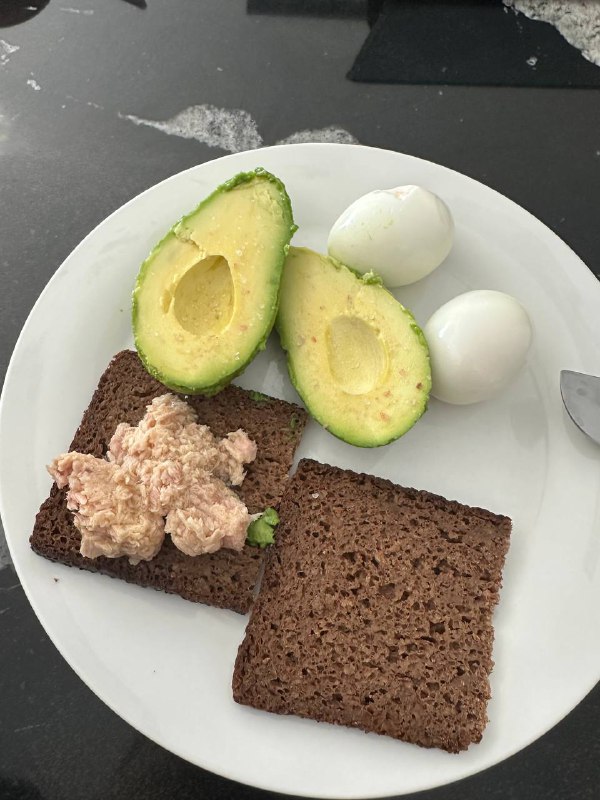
225 579
375 610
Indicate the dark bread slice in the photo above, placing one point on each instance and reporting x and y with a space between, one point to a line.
226 578
375 610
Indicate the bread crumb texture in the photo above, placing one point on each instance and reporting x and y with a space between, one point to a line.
375 610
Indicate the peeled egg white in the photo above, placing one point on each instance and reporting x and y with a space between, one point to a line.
478 342
401 234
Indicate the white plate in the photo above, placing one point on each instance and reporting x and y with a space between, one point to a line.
164 664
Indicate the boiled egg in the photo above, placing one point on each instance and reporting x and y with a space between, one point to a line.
478 342
401 234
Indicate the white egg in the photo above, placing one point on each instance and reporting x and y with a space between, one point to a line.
402 234
478 342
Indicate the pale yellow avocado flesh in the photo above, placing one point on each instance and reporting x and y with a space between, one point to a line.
207 295
355 354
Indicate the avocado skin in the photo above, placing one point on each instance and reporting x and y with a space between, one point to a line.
370 278
227 186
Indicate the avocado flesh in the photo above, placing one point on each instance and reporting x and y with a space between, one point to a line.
355 355
206 297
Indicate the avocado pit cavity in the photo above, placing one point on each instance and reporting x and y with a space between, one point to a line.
203 298
356 354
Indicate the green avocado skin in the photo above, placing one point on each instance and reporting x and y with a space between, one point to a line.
370 278
242 177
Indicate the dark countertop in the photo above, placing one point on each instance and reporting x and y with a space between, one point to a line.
69 156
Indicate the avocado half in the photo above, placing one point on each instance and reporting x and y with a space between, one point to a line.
206 298
356 356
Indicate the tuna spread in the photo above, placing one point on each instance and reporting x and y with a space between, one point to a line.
167 474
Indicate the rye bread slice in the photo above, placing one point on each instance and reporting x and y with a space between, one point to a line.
226 578
375 610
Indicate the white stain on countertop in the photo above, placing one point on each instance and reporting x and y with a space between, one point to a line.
86 11
5 559
329 134
578 21
233 130
4 133
6 51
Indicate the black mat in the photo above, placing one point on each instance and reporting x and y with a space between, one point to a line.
309 8
470 42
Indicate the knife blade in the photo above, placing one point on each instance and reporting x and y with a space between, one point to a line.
581 397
